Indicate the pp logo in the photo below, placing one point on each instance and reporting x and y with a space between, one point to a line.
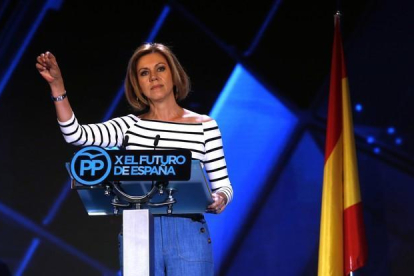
91 165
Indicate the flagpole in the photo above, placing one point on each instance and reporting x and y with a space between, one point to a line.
338 15
342 244
338 6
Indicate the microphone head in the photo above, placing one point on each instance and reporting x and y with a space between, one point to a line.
157 139
125 143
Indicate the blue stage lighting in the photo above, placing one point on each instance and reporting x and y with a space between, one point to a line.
51 4
159 23
391 130
398 141
30 251
42 234
370 139
377 150
358 107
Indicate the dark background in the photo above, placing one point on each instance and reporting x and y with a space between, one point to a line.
286 45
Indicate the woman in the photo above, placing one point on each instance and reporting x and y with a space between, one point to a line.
155 82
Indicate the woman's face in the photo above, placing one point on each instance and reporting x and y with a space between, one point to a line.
154 77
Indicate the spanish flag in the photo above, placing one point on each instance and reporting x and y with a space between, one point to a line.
342 244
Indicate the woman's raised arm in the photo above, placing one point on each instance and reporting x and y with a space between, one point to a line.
49 70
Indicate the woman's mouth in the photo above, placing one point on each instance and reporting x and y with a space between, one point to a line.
156 86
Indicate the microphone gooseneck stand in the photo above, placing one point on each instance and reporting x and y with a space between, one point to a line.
125 201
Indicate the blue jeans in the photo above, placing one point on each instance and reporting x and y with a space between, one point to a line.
182 246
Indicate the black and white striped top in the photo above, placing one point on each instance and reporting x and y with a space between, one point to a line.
203 139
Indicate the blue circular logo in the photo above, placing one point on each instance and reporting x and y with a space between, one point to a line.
91 165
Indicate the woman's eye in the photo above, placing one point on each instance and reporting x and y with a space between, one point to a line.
143 73
161 68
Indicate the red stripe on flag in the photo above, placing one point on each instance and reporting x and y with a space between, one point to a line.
334 126
354 238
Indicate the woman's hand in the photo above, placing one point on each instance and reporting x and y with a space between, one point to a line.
49 69
219 204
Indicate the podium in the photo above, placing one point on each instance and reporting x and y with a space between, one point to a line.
138 197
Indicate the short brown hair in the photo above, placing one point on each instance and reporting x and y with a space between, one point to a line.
180 79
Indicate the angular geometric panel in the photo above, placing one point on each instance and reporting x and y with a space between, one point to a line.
255 128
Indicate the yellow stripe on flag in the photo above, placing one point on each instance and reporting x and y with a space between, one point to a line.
331 233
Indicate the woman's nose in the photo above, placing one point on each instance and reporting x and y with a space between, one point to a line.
153 77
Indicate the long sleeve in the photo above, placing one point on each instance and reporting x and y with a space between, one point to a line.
214 161
107 134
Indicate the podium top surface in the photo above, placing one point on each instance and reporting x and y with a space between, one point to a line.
192 196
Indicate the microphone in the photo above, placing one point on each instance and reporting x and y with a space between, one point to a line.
125 142
157 139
